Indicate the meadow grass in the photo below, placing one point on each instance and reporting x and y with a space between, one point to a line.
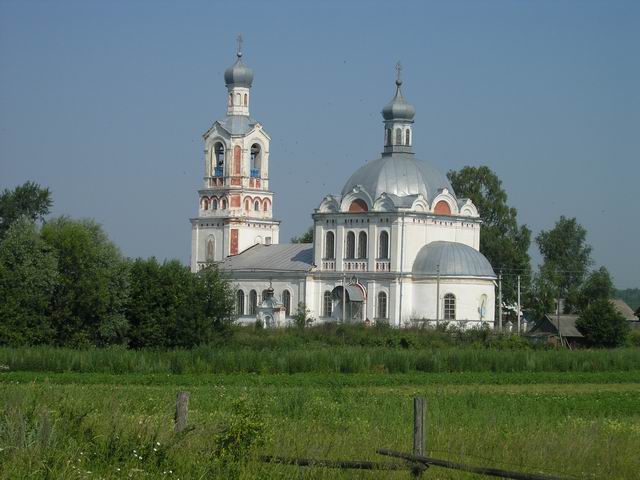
96 429
333 359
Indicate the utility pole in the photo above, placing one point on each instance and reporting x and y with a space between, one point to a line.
437 295
518 305
344 300
558 317
500 301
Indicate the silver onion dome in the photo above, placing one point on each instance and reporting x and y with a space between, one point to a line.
398 108
451 259
238 74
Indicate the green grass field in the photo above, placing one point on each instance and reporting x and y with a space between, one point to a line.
75 425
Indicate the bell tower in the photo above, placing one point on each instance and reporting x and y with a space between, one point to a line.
235 208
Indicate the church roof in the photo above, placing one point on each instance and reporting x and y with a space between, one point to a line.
399 174
238 124
453 260
290 257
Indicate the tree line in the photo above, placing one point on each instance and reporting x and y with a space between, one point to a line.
64 283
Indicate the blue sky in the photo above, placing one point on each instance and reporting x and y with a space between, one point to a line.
106 102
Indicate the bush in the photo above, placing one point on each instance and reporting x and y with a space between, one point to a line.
602 325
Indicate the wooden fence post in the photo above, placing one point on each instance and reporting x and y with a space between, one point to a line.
419 405
182 410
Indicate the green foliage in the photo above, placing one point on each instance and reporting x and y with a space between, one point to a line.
306 237
597 286
503 241
301 319
243 430
171 307
602 324
92 292
631 296
566 258
28 199
28 277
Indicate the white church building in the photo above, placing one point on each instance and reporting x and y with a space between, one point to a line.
395 246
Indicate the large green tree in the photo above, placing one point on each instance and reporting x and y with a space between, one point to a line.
28 199
171 307
602 325
502 240
566 258
90 298
28 277
597 286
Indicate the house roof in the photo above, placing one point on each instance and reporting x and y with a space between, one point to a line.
290 257
624 309
550 326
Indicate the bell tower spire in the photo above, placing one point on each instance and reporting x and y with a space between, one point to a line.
398 121
238 79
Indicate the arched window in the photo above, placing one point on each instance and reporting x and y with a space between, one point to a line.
230 102
351 245
329 251
218 151
449 306
238 101
407 137
256 206
362 245
387 136
358 206
327 304
265 205
214 204
246 99
263 297
211 249
240 303
383 246
398 136
382 305
286 301
256 160
253 302
223 204
247 204
442 208
205 204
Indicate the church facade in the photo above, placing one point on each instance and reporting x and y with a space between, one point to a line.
395 246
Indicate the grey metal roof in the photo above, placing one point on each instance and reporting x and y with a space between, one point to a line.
550 326
624 309
399 174
454 259
296 257
238 124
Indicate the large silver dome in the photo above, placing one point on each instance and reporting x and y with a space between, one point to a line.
454 260
399 174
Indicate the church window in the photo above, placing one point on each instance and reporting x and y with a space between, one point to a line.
266 205
449 306
327 304
398 136
218 151
362 245
383 246
238 102
351 245
286 301
240 302
247 204
230 102
358 206
387 136
214 204
205 204
253 302
256 160
442 208
256 206
407 139
223 204
211 249
246 99
329 251
264 296
382 305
